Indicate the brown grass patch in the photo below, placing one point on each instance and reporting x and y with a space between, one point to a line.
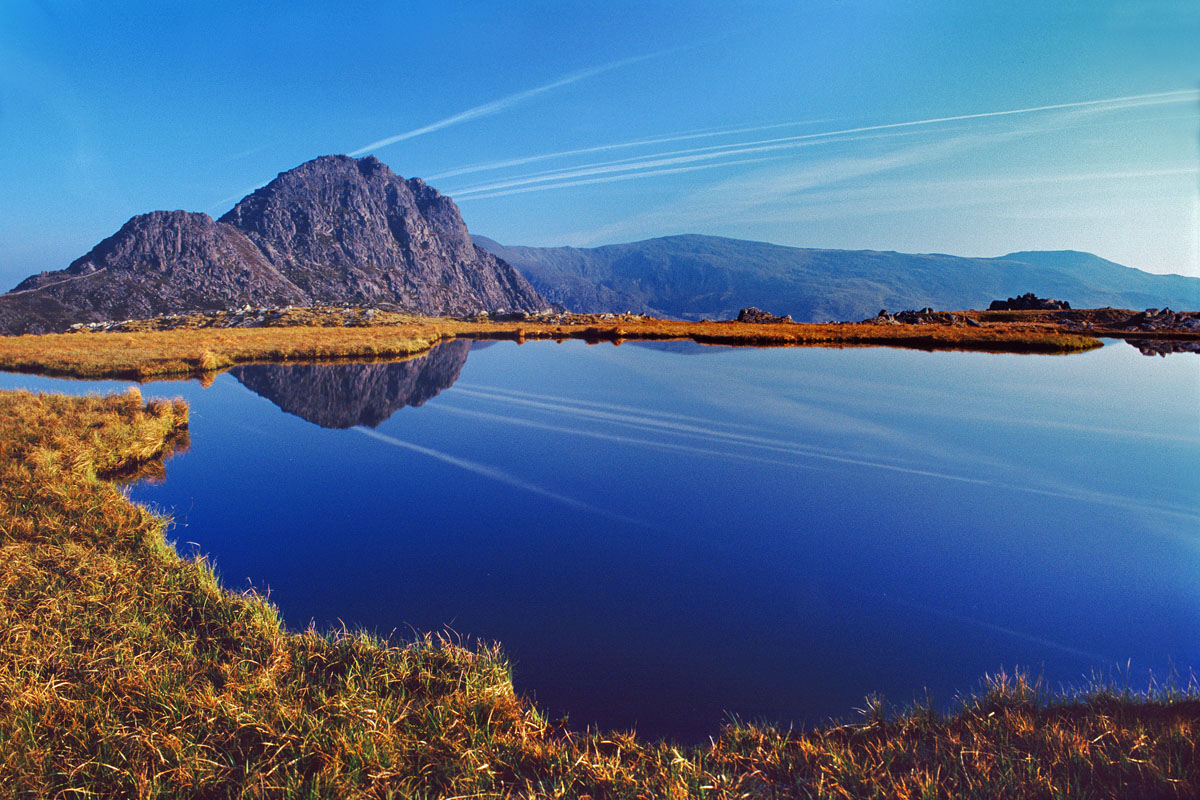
144 351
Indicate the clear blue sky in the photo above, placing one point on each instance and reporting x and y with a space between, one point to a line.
588 123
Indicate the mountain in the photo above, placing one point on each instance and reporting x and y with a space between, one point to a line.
346 395
335 229
345 229
710 277
1139 289
160 262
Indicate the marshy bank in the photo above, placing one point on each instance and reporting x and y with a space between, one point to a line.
198 343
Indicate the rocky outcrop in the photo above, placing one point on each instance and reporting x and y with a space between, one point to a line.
346 395
333 230
925 316
1028 302
757 315
1163 320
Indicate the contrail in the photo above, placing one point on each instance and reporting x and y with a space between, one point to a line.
600 148
650 163
1175 96
645 162
502 104
498 475
628 176
484 110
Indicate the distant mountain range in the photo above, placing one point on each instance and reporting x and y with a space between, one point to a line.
709 277
333 230
344 230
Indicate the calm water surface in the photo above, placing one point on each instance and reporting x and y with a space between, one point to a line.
663 537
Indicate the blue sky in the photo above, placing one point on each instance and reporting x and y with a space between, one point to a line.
822 124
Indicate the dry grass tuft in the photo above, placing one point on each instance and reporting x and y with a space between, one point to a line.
126 671
144 350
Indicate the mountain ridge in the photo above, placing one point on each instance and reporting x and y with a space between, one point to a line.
694 276
337 229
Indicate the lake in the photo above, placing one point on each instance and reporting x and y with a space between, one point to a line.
661 537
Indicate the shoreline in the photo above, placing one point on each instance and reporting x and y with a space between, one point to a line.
199 344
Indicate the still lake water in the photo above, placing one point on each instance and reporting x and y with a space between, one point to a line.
662 537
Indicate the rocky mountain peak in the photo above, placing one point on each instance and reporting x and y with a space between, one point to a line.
346 228
334 229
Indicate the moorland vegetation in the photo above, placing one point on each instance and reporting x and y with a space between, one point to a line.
204 343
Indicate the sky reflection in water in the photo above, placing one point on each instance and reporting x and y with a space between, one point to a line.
660 537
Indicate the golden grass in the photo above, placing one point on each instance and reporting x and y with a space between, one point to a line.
147 352
150 353
126 671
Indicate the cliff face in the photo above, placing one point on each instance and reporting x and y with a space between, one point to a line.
333 230
346 395
345 229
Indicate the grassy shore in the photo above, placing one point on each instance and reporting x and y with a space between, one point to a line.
144 350
127 671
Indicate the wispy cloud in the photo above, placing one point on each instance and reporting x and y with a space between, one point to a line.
501 104
1053 190
666 139
649 163
645 163
785 191
479 111
626 176
752 195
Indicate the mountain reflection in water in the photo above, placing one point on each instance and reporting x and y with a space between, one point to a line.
348 395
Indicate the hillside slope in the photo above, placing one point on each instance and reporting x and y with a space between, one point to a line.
695 277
